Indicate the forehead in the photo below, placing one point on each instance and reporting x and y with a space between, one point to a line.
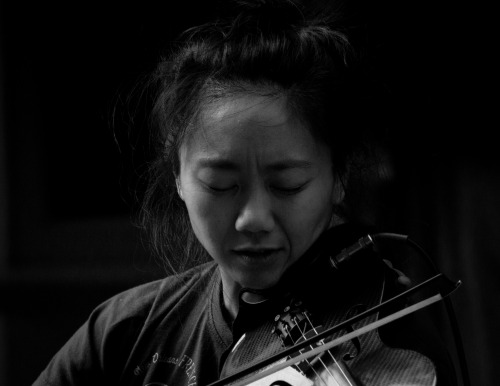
247 108
246 125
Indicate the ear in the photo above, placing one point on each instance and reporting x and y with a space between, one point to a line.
338 195
179 187
338 192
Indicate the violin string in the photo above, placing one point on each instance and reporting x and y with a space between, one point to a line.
309 326
301 351
313 369
340 369
327 370
302 333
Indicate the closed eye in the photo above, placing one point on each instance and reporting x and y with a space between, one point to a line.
221 190
289 190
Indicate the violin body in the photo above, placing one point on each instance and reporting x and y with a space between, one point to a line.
319 303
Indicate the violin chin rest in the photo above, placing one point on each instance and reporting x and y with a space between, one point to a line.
286 376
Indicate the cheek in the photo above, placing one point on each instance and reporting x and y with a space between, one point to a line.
311 216
208 218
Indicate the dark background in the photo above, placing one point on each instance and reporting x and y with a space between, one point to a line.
69 160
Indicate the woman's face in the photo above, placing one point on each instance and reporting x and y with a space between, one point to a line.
259 189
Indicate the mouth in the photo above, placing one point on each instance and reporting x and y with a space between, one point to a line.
256 254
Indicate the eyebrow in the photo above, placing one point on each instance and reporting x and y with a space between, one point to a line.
282 165
289 164
217 163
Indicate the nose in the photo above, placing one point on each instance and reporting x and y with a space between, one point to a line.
256 214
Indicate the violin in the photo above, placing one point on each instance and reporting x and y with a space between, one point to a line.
320 325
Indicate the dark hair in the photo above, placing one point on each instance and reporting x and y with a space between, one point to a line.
279 46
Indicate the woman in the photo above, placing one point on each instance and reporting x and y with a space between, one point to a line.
258 125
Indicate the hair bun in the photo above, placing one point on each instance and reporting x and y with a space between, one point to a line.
253 4
261 10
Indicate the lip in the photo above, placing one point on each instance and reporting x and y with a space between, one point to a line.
255 249
256 254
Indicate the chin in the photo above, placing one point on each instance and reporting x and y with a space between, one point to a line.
260 282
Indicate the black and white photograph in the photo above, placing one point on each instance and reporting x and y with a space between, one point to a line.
249 192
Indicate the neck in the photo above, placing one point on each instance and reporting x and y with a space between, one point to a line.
231 293
230 296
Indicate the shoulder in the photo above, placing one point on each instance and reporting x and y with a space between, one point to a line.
102 346
140 301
